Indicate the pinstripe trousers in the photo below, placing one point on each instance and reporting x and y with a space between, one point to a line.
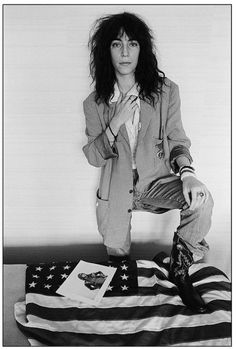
161 197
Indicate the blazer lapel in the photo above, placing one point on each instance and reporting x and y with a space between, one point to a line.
124 133
122 130
146 113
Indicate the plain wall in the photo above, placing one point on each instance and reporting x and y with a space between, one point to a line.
49 186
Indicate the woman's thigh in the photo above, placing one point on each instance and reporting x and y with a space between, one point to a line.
161 197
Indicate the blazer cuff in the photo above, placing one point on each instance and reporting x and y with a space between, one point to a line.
179 150
105 149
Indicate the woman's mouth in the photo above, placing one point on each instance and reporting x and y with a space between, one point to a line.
125 63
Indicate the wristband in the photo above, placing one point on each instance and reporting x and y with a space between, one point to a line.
186 168
187 174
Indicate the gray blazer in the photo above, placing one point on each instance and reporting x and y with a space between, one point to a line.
161 140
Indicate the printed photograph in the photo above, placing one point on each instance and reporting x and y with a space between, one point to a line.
87 282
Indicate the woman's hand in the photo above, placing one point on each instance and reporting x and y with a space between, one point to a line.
195 192
125 109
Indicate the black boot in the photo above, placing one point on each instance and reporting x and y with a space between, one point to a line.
118 259
180 261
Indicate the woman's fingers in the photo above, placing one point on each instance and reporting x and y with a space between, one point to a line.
193 199
186 196
198 197
125 108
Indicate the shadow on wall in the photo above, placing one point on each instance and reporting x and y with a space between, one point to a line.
88 252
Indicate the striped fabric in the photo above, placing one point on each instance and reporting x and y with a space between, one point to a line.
146 312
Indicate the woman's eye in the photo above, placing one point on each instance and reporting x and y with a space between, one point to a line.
115 44
133 43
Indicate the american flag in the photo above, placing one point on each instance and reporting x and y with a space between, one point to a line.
141 307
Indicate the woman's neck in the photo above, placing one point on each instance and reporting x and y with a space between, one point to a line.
125 83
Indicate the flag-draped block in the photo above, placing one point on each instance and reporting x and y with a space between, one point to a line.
141 307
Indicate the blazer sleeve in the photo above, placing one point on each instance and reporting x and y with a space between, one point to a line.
179 143
98 149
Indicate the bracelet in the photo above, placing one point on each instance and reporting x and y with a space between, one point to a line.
186 171
112 132
186 168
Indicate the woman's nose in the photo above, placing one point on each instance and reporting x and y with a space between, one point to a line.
125 50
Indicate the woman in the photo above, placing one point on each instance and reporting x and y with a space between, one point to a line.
135 135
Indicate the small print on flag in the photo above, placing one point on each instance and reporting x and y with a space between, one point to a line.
87 282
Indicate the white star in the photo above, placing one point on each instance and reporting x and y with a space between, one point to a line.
109 288
124 277
52 268
50 276
35 276
47 286
124 288
33 284
67 267
64 276
39 268
124 267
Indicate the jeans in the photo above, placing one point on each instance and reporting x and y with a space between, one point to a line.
161 197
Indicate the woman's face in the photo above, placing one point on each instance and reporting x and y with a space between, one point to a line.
124 55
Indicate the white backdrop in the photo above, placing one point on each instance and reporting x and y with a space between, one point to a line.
49 186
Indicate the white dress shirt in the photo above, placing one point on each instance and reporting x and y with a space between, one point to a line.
132 125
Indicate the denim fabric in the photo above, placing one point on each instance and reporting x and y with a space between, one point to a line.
194 225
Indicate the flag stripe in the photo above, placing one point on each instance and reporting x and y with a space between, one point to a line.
216 295
149 273
135 326
106 302
202 275
144 338
151 289
173 291
214 286
195 275
107 327
170 289
119 314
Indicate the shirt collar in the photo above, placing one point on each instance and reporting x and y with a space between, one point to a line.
133 91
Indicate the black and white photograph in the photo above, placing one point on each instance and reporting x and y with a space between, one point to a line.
117 153
87 282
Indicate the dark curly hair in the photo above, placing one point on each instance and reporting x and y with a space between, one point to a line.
147 74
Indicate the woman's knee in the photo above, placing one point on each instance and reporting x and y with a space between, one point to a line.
209 202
